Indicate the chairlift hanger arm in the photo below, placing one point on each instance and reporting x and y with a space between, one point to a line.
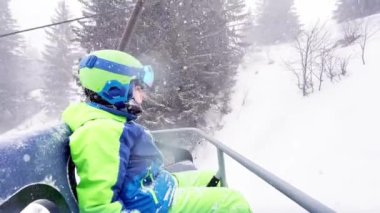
130 25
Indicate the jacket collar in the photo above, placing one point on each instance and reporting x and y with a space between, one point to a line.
129 116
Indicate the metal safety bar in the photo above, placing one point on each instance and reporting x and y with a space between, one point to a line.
301 198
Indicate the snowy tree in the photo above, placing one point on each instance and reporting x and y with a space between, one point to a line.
351 9
197 60
240 22
59 58
12 70
104 30
276 22
192 48
346 10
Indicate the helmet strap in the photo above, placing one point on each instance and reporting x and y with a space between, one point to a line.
119 105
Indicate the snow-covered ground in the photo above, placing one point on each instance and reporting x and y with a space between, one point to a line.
326 144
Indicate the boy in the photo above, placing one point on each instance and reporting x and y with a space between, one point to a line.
119 166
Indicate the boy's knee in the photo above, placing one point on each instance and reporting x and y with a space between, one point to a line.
237 202
193 178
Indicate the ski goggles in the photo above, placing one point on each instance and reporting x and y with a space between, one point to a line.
145 74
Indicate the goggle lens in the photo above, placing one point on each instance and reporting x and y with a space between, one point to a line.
148 75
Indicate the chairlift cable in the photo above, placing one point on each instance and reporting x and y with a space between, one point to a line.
56 23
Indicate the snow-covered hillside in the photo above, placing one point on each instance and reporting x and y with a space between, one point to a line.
326 144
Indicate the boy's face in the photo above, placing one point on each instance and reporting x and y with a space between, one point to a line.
138 94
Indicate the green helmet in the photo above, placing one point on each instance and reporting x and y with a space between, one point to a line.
111 74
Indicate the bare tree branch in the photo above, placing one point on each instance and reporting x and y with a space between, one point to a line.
316 61
367 31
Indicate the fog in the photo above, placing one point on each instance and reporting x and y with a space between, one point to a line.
235 69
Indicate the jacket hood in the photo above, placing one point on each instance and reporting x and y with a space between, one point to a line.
78 114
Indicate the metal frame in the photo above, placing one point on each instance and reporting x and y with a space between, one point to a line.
301 198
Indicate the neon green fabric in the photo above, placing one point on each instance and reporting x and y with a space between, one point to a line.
91 149
90 78
191 197
193 178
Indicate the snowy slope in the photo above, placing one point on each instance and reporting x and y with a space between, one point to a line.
327 144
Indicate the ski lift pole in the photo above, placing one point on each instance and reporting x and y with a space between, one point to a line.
301 198
131 25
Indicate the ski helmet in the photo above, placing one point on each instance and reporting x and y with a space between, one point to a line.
111 74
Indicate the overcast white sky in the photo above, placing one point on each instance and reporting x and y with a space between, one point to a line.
32 13
38 12
311 11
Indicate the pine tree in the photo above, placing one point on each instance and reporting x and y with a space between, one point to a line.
201 50
239 23
104 30
351 9
59 58
370 7
276 22
190 44
11 92
346 10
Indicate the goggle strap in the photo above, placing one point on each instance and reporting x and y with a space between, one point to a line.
93 61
